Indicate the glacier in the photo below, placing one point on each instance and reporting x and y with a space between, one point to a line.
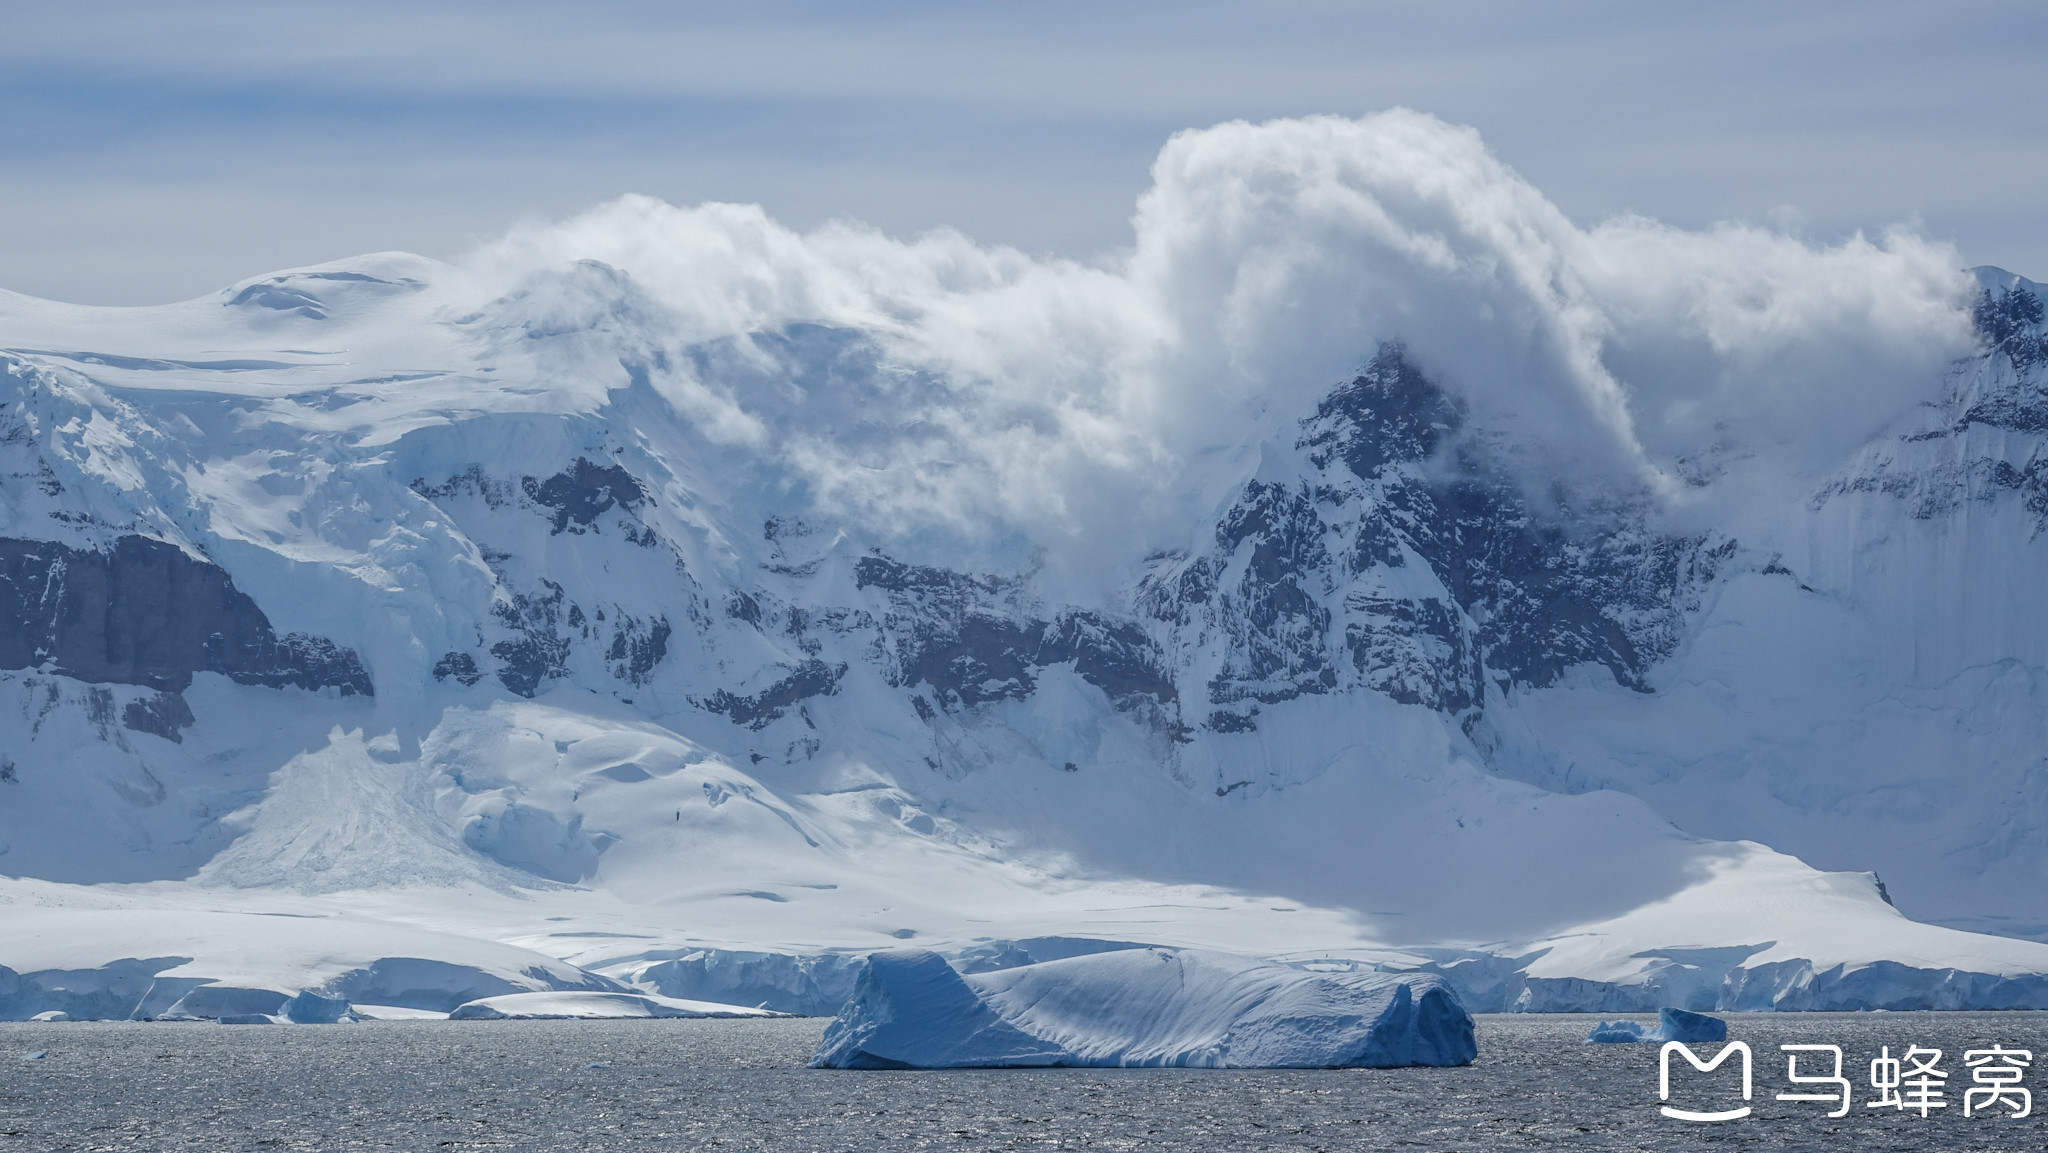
1146 1008
668 604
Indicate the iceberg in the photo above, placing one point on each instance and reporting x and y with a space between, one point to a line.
1150 1007
310 1008
580 1005
1618 1033
1672 1025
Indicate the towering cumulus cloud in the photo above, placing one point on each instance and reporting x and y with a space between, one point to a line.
1267 260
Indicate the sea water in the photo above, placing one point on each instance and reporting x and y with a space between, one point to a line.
741 1085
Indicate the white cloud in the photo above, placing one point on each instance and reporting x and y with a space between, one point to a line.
1082 404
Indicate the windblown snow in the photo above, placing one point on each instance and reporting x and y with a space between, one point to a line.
1369 569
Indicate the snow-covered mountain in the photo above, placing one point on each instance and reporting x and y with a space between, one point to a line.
418 632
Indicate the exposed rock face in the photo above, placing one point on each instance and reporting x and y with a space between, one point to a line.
581 493
460 666
540 622
1403 564
145 613
537 651
166 715
2010 322
1394 560
757 710
965 637
1977 447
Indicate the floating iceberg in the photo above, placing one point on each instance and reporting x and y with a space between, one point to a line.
310 1008
1619 1033
581 1005
1672 1025
1142 1007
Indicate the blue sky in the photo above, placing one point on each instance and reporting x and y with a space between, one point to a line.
155 151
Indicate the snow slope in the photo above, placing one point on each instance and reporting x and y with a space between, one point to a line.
695 626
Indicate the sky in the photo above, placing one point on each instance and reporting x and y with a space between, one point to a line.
156 152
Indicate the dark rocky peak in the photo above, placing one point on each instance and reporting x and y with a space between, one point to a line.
2009 320
1934 466
1388 414
1406 560
1546 585
581 493
144 612
2008 316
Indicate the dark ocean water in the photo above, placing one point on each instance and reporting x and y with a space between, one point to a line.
741 1085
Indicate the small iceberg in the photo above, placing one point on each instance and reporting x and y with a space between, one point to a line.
568 1005
392 1013
1672 1025
1142 1008
310 1008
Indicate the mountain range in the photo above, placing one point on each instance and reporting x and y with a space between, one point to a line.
372 629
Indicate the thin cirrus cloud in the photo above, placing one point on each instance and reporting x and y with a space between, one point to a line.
158 151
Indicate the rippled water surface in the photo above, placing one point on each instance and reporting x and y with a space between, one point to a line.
684 1085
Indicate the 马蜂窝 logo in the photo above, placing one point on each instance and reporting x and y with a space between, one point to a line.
1664 1079
1913 1082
